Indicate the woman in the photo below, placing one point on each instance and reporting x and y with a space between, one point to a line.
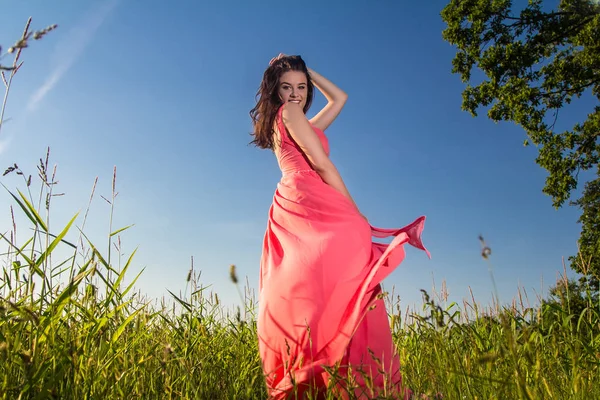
321 312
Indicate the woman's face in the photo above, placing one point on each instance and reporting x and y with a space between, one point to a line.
293 87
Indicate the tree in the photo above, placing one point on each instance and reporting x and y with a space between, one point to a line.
536 62
575 299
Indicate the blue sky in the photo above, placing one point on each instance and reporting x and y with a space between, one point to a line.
163 92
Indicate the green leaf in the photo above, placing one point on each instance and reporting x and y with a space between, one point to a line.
33 218
19 250
121 230
185 304
33 211
55 242
130 286
122 327
124 270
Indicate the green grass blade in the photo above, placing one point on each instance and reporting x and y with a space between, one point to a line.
19 250
26 244
132 283
59 303
23 207
186 305
95 252
123 271
108 316
120 230
33 211
124 325
64 241
55 242
57 272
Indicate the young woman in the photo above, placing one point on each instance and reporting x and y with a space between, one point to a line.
320 303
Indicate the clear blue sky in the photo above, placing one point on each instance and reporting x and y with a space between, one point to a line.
163 93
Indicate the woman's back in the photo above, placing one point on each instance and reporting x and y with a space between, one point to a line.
289 155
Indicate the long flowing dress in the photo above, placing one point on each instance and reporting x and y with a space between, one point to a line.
320 302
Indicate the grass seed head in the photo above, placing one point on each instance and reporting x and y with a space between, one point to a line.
486 251
232 274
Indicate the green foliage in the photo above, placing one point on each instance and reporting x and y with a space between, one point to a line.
576 299
535 63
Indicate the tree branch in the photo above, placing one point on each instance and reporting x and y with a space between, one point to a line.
570 91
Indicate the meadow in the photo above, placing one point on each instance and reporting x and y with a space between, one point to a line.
71 328
76 327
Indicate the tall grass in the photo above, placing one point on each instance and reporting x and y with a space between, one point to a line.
71 329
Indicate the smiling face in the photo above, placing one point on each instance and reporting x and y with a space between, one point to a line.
287 79
293 87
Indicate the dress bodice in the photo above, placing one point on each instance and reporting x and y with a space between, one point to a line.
290 156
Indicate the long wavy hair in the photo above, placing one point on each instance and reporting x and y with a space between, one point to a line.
268 101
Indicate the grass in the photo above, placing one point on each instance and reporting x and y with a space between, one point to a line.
71 328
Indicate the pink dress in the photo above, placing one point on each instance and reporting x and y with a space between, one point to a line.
320 300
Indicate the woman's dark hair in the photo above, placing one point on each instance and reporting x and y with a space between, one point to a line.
268 101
